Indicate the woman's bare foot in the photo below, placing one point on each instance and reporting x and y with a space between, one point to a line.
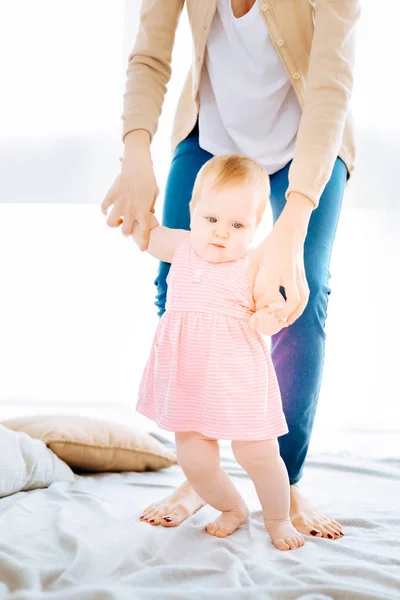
175 508
228 522
184 502
309 520
283 535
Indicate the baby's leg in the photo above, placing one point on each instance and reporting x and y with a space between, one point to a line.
198 457
262 461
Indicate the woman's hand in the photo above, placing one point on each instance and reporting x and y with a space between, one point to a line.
134 191
279 261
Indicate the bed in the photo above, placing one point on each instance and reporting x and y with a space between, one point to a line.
82 539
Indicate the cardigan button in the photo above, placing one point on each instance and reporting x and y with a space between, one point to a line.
281 42
264 7
296 75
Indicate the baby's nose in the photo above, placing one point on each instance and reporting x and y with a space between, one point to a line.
222 231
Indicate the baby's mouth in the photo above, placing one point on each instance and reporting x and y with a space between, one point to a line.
218 245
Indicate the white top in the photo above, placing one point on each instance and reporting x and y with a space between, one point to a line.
247 102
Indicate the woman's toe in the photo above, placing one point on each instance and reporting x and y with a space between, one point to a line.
150 515
332 530
171 520
149 509
336 525
326 533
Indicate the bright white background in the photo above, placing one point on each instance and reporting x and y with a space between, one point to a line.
76 307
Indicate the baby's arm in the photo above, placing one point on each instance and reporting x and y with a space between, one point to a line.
163 240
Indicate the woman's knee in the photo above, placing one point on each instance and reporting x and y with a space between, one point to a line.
316 310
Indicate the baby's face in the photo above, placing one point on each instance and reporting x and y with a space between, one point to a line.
223 222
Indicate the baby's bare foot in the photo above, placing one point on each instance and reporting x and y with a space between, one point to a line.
228 522
309 520
283 535
175 508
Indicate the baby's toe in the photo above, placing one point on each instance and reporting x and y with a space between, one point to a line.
300 540
212 528
281 544
221 532
291 543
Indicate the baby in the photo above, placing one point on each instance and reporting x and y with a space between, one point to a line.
209 375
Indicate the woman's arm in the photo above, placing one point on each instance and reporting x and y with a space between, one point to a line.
149 65
162 241
134 192
329 84
279 261
280 258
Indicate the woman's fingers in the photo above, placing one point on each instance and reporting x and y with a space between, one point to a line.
144 231
128 223
304 296
293 298
281 308
105 205
277 262
297 294
132 197
262 283
114 216
108 200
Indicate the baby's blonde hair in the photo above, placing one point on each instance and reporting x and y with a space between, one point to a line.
231 169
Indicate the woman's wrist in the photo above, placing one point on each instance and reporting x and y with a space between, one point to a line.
293 220
136 148
138 138
297 213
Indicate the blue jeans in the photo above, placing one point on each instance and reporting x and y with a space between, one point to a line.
297 351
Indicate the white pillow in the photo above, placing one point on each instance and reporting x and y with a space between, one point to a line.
27 464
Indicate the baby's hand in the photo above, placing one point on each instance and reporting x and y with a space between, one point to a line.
136 232
265 321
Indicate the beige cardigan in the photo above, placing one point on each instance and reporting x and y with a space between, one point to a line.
316 42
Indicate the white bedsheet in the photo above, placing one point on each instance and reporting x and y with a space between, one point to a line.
83 541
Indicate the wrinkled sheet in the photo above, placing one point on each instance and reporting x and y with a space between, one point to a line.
84 541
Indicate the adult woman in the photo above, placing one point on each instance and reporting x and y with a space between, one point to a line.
272 80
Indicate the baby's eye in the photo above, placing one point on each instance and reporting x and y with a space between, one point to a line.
237 225
211 219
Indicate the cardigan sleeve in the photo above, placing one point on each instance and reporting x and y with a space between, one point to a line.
328 89
149 65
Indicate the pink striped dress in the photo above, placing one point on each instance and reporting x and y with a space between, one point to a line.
208 371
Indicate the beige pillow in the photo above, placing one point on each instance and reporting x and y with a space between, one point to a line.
94 445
